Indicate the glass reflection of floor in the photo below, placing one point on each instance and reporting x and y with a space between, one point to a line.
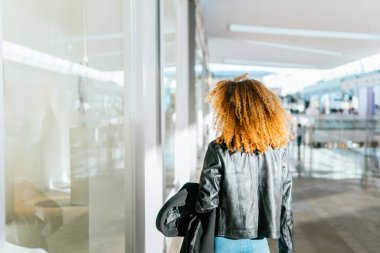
48 220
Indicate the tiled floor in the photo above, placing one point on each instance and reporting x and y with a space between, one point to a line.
335 216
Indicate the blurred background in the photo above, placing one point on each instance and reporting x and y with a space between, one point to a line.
103 115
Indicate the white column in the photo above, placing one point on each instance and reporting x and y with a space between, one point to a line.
131 244
182 135
2 167
143 150
376 90
363 101
153 149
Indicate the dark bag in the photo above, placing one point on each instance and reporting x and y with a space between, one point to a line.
177 217
200 234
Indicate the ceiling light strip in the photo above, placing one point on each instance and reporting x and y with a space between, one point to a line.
266 63
295 48
302 32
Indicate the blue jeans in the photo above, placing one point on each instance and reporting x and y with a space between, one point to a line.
225 245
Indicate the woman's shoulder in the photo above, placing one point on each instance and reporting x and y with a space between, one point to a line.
217 146
214 144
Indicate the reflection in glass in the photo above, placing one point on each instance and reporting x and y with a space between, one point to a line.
63 126
170 71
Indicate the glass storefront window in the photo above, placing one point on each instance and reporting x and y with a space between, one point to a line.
169 41
64 150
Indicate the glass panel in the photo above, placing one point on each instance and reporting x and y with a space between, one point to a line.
169 40
63 125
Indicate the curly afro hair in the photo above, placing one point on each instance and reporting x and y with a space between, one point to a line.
248 116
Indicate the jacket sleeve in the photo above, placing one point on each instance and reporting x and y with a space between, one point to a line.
285 242
209 183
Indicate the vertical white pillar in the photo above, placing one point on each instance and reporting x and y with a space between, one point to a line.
376 91
370 100
131 244
143 147
154 240
2 163
363 101
182 145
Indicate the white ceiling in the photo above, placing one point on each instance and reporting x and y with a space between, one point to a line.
292 33
55 27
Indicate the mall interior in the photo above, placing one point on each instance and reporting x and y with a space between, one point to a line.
104 115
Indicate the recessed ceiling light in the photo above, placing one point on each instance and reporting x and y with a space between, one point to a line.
267 63
295 48
302 32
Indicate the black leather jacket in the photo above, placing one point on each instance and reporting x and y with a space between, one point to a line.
252 194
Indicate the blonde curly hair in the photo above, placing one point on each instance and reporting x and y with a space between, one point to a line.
248 116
